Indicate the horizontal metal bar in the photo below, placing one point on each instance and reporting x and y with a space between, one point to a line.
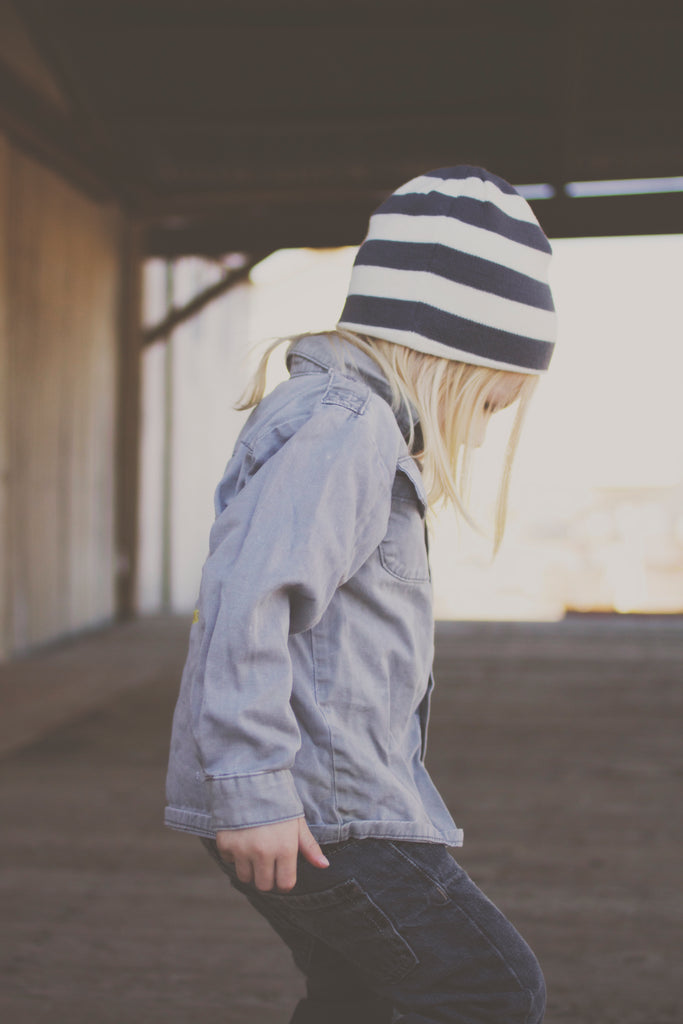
179 316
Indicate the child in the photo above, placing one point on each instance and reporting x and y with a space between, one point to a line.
299 735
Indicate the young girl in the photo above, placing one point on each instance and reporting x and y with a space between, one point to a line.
299 735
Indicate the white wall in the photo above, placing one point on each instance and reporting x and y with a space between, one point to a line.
60 292
212 358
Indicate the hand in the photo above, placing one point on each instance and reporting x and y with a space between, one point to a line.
265 855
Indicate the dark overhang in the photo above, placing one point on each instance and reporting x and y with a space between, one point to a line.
255 124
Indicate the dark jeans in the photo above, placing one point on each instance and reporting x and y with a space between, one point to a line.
397 931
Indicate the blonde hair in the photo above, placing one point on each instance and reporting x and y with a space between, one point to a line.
448 398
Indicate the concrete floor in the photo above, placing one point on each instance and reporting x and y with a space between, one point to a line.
557 746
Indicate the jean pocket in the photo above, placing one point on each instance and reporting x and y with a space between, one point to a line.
332 848
347 919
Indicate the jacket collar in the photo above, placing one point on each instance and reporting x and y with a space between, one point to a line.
331 352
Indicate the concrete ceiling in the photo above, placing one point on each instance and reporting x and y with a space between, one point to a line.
253 124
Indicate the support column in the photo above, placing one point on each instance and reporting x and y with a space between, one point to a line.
167 482
128 422
5 411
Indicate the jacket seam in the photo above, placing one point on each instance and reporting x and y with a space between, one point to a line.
376 829
335 803
243 775
249 444
255 824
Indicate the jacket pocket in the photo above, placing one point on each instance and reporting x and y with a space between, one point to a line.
403 552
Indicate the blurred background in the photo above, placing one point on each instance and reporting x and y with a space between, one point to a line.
180 181
596 512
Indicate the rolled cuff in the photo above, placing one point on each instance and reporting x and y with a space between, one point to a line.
245 801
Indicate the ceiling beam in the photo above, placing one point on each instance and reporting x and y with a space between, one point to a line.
217 14
257 13
564 217
45 24
344 223
44 132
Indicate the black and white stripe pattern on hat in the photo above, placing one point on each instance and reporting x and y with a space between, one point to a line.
455 264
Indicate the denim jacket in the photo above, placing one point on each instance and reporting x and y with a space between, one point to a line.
307 681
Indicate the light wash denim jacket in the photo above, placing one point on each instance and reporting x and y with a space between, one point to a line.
307 681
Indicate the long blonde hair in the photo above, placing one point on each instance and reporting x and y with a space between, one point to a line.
447 398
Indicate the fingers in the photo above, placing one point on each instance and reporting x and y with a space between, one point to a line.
264 856
244 870
308 847
285 872
267 873
264 872
257 869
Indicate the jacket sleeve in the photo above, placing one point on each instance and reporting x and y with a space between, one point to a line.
301 525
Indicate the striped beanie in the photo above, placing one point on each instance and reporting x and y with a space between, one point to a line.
455 264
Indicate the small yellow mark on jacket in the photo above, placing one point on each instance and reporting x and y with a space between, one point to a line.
195 616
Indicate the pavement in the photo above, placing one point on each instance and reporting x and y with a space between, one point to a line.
556 745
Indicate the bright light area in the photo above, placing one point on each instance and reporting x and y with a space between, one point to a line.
597 501
536 191
596 511
623 187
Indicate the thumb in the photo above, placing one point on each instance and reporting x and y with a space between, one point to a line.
308 847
